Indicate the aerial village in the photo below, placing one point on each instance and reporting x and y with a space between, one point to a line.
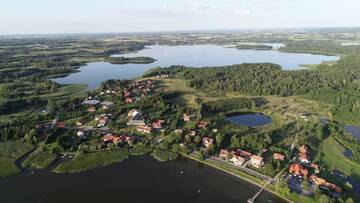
134 114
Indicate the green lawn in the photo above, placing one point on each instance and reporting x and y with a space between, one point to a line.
39 159
9 153
332 155
88 161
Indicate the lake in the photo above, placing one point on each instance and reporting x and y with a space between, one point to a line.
193 56
250 119
137 180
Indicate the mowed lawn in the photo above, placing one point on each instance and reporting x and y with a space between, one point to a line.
87 161
334 158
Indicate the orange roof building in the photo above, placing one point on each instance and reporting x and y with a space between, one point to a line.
322 182
279 156
298 170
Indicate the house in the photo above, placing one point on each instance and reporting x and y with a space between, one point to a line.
202 124
237 160
163 76
278 156
129 100
107 104
127 94
224 154
80 123
157 124
256 161
144 129
303 149
192 133
134 113
108 138
136 122
323 183
60 124
303 158
91 102
243 153
186 117
207 142
316 167
129 139
80 133
91 109
179 131
103 121
298 170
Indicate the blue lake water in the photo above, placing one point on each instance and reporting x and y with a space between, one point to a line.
193 56
250 120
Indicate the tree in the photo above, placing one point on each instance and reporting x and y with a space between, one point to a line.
349 200
325 199
282 188
201 155
31 136
197 139
219 138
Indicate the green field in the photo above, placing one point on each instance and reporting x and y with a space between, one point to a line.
88 161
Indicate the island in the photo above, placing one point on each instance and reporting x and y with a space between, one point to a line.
127 60
292 143
254 47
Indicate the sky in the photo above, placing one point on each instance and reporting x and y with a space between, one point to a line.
104 16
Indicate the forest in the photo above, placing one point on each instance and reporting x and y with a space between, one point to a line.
336 84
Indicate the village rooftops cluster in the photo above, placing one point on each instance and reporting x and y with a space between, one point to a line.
136 90
116 139
239 157
303 167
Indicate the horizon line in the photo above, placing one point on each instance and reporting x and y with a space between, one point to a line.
179 31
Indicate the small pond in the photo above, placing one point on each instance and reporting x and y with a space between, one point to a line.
354 131
250 119
348 153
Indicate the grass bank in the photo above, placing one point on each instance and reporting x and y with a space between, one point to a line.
87 161
39 159
9 152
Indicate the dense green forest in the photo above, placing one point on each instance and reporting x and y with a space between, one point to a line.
335 84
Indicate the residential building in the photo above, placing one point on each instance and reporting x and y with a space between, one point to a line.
224 154
144 129
237 160
202 124
207 142
186 117
279 156
323 183
298 170
157 124
256 161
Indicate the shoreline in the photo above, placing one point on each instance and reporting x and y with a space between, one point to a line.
236 175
